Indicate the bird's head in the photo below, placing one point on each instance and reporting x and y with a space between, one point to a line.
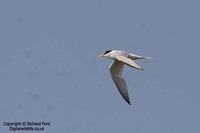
106 54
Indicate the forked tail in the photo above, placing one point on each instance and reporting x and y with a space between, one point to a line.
135 57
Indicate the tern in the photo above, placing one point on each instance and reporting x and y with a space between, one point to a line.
120 59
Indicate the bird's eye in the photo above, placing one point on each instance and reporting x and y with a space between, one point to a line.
108 51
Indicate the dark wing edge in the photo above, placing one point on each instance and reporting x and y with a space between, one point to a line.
115 70
121 86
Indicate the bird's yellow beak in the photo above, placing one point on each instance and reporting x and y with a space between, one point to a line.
100 56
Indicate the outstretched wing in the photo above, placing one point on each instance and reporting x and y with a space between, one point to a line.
116 69
128 62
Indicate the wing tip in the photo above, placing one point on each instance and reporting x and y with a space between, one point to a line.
129 103
141 69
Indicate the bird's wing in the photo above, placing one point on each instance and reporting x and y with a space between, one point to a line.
128 62
116 69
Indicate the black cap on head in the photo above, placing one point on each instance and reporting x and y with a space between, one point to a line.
108 51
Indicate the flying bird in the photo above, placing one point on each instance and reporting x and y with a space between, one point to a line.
120 59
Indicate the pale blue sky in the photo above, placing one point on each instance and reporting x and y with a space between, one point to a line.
49 70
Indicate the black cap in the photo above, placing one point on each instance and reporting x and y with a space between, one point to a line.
108 51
